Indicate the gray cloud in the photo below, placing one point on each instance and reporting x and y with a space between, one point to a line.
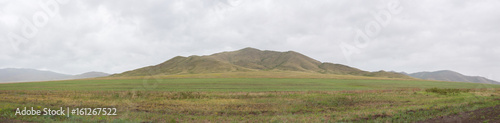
112 36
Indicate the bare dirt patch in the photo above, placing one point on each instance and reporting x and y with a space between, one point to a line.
486 115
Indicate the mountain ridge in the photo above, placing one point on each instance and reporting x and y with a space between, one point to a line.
448 75
28 75
250 59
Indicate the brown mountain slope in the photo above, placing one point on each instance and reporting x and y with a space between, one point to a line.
186 65
269 60
250 59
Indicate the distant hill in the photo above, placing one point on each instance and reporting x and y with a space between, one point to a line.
92 74
251 60
27 75
21 75
447 75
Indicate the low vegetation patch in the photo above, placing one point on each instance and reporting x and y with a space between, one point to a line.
247 100
447 91
276 106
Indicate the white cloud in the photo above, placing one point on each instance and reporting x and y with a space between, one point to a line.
115 36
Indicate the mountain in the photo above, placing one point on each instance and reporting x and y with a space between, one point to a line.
22 75
92 74
27 75
251 60
447 75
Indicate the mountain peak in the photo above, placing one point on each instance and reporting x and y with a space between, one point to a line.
92 74
249 49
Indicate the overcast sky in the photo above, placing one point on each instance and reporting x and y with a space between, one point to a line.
77 36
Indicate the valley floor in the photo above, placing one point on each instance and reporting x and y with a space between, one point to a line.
255 100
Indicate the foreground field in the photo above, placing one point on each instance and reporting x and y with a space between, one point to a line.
249 100
236 85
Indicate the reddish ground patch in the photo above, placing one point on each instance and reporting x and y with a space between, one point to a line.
487 115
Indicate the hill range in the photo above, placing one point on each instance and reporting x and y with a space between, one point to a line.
244 63
27 75
251 60
447 75
255 63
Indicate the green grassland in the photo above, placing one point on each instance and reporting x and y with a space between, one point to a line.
248 99
236 85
